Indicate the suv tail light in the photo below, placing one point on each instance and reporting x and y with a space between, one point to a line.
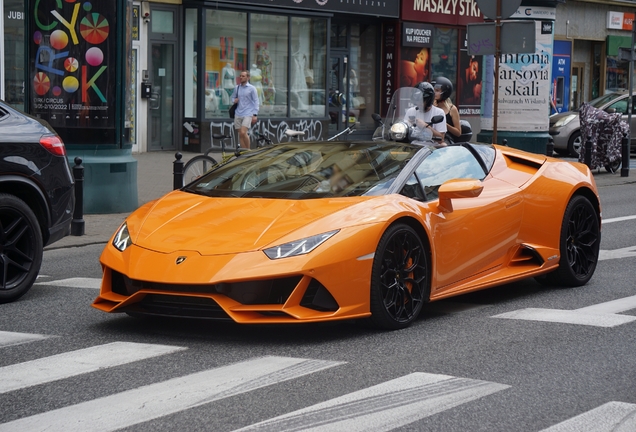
53 144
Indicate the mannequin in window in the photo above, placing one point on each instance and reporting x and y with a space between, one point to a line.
256 78
265 65
228 75
298 82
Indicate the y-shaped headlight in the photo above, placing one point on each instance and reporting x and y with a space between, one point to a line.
122 238
298 247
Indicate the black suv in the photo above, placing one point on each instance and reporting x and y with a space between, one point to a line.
36 198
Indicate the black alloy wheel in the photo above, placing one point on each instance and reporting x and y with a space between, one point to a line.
579 245
21 248
399 279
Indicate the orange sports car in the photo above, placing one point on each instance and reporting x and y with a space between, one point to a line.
320 231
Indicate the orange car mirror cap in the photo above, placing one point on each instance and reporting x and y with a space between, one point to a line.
458 188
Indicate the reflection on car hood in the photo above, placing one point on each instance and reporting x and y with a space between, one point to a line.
214 226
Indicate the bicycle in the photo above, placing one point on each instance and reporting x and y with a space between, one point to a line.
201 164
349 130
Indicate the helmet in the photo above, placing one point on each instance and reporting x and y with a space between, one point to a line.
428 93
444 85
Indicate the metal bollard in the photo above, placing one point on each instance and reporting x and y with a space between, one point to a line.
625 157
177 171
587 160
549 148
77 224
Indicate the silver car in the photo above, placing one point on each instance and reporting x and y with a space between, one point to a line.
565 127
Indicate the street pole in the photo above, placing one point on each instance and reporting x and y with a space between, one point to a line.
630 105
497 52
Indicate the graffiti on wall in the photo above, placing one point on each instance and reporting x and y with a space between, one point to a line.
273 130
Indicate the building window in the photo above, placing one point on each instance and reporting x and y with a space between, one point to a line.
362 80
307 83
268 61
13 73
444 55
191 65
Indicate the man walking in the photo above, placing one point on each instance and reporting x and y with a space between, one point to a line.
246 111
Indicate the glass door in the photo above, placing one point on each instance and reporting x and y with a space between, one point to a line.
338 104
161 106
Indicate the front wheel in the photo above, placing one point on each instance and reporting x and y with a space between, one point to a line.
574 144
196 167
399 278
21 248
579 245
613 167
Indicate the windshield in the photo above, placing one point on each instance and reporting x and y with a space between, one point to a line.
403 99
600 101
308 170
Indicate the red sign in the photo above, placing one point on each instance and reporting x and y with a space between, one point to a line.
450 12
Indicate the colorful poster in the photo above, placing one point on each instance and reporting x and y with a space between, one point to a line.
73 68
524 87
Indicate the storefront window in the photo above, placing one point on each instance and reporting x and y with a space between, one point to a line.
13 53
191 64
617 74
225 57
444 55
268 61
307 83
362 80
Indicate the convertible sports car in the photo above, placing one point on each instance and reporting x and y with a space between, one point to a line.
311 232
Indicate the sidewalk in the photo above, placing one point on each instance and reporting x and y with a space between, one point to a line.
155 179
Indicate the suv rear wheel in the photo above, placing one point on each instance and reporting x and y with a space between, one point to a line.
21 248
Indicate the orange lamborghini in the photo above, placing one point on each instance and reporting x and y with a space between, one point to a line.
311 232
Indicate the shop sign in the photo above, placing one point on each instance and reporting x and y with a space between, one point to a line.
73 53
381 8
620 20
451 12
536 13
417 35
389 61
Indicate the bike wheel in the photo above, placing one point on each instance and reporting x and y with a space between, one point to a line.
196 167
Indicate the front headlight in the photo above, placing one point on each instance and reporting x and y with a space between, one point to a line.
122 238
564 120
399 131
298 247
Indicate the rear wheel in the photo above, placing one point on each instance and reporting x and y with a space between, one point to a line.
399 279
196 167
20 248
613 166
579 245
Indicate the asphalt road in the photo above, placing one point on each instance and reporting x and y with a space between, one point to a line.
458 368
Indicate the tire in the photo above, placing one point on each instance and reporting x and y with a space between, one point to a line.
399 278
21 248
579 245
196 167
613 167
574 144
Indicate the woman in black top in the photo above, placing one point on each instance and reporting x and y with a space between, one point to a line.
443 89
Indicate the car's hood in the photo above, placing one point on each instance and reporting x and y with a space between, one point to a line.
211 226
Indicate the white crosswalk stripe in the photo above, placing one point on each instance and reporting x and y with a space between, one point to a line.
610 417
78 362
90 283
384 407
599 315
12 338
157 400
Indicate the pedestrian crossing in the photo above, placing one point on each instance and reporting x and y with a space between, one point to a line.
385 406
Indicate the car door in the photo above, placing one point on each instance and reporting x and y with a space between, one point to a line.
475 237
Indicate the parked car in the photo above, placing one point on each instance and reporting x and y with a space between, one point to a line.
36 198
565 127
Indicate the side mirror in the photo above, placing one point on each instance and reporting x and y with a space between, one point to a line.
376 117
458 188
437 119
610 110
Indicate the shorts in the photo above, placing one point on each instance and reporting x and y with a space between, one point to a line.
242 121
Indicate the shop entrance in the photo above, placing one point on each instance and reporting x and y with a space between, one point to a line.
162 74
336 80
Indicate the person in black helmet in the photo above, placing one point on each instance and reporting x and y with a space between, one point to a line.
421 114
443 90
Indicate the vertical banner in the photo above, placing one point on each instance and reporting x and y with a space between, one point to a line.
389 60
470 80
524 86
73 49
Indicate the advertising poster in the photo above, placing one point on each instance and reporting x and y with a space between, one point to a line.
524 87
470 80
73 68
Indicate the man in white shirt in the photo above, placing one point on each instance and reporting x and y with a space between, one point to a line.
421 114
